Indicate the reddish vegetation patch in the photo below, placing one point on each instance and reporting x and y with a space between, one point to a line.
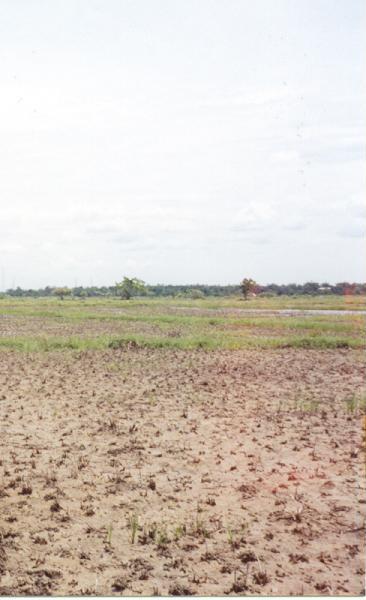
148 471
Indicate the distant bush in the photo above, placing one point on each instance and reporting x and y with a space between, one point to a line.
195 294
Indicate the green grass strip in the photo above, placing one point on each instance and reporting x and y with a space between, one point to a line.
47 344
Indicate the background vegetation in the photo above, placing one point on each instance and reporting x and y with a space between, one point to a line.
203 323
310 288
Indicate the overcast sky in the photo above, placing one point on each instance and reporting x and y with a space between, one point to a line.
182 141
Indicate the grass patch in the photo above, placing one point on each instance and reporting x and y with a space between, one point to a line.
183 343
328 302
313 323
356 403
158 323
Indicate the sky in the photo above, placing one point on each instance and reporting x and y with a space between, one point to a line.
182 141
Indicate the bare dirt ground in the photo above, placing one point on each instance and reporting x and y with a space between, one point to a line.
143 472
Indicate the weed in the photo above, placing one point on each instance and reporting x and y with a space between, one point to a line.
114 367
26 489
178 589
152 401
240 582
356 404
134 525
199 527
109 534
310 406
185 411
261 577
161 537
50 479
83 462
247 557
229 533
179 531
151 531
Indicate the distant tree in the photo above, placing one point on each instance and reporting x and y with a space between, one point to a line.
195 294
61 292
248 286
18 292
325 288
130 287
311 288
48 291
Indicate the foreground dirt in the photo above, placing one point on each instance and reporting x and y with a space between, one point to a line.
143 472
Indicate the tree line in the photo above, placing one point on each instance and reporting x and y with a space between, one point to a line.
130 287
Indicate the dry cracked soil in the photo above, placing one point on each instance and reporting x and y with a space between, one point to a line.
151 471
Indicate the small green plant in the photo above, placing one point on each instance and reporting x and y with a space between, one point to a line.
233 540
310 406
114 367
356 403
199 527
350 404
134 525
230 536
305 404
179 531
244 527
109 534
162 537
152 400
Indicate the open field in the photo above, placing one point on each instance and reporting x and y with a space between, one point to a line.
182 447
28 324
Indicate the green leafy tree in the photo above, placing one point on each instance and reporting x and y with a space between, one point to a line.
130 287
61 292
248 286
